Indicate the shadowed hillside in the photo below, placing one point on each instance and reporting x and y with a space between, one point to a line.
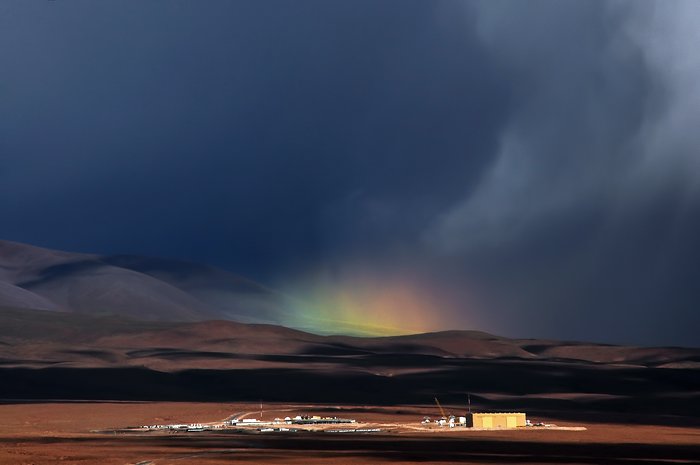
138 287
52 355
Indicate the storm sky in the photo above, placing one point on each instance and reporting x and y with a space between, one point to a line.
528 168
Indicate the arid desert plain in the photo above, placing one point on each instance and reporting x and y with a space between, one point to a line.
87 432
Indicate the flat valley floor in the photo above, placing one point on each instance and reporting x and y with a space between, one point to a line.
87 433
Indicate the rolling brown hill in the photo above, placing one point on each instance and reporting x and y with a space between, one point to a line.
38 338
58 355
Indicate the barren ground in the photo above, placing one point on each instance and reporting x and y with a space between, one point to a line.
51 433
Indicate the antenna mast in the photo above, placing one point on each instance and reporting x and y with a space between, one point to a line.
442 411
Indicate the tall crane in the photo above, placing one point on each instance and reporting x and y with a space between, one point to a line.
442 411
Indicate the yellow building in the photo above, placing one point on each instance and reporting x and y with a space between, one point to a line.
495 420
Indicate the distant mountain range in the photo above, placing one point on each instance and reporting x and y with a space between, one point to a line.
81 326
39 339
138 287
53 355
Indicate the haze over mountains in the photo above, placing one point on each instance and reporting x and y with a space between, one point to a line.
122 293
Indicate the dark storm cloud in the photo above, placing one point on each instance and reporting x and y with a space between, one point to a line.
574 222
539 154
253 123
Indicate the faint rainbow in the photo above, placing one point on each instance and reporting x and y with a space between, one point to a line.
392 309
